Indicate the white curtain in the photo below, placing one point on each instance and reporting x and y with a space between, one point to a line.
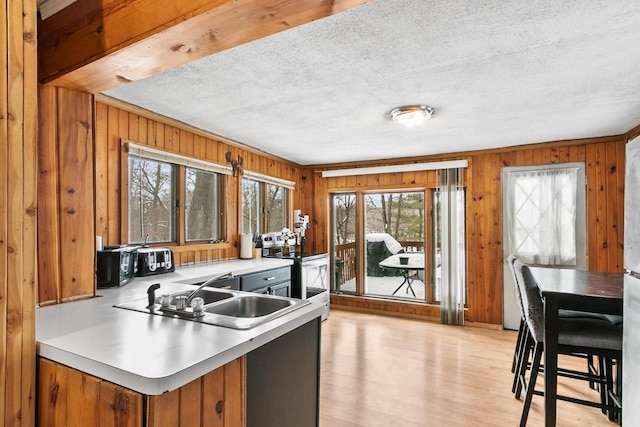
453 249
540 215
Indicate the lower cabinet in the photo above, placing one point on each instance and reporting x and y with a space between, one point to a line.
283 380
276 281
67 397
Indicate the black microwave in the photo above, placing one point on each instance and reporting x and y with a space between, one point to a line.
115 266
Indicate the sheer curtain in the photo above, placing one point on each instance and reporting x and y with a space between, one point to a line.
540 215
452 239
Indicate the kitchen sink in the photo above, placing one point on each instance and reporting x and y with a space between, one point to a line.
208 295
222 307
249 306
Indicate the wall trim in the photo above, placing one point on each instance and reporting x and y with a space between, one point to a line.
466 154
632 133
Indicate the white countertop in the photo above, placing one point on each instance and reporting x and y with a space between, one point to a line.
153 354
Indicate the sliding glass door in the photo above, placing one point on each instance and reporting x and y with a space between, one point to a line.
396 238
343 253
394 225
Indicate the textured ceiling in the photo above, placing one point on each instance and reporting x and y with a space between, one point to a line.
498 73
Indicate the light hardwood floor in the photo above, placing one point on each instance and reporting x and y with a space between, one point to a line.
386 371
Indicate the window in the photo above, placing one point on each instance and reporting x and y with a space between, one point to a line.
544 211
156 213
264 203
343 253
394 224
202 205
151 201
251 211
541 214
276 206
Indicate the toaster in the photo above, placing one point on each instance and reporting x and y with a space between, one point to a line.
115 266
153 261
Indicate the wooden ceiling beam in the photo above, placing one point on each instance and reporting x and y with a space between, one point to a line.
94 45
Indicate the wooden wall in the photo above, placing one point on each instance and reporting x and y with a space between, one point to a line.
65 195
18 109
114 124
100 213
81 182
604 159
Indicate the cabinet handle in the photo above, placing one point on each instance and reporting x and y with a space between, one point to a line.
270 278
219 407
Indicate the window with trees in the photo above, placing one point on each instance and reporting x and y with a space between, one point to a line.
343 217
151 201
158 212
393 225
264 203
202 205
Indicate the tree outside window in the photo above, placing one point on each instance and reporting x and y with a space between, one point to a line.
151 195
264 207
154 205
202 205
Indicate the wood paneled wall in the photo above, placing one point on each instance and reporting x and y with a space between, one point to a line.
18 109
114 124
604 160
65 195
80 185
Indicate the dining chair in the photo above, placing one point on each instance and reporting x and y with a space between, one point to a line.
522 340
576 336
522 329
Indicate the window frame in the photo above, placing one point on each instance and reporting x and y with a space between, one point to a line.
264 181
220 203
171 205
179 164
582 256
428 244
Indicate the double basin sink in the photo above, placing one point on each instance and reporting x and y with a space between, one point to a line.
219 307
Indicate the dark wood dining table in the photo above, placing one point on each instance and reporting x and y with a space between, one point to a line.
595 292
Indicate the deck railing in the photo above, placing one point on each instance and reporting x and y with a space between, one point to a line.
346 257
346 262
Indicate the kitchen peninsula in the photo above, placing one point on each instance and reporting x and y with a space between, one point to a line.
157 370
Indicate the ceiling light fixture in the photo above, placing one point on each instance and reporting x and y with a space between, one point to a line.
411 115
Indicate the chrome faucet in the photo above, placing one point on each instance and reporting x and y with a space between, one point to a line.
205 284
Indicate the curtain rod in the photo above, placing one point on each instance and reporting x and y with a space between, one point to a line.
410 167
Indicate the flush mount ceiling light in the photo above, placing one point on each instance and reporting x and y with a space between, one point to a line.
411 115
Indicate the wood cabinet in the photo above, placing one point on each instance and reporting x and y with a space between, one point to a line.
67 397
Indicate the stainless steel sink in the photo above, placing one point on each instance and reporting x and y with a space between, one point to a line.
208 295
222 307
249 306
